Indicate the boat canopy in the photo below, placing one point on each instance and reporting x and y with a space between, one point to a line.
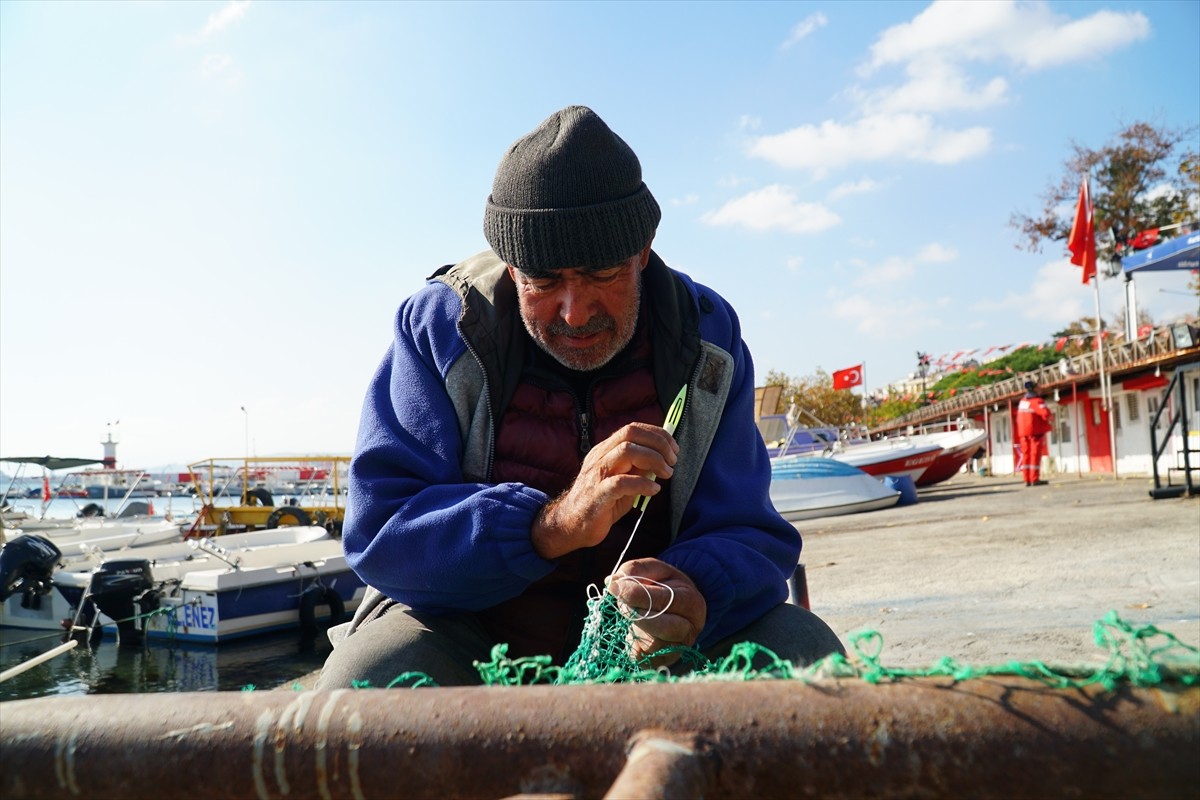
1182 252
54 462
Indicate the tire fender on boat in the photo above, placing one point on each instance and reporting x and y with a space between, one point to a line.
259 494
316 596
286 512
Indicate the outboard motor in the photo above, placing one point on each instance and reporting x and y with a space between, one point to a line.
26 566
123 589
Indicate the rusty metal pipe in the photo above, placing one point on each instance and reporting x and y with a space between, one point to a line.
983 738
664 765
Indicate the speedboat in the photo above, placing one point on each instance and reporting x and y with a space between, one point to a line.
885 458
957 448
211 590
824 487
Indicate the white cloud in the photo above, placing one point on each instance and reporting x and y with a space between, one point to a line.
804 28
873 138
858 187
774 207
933 85
689 199
749 123
1055 298
231 13
900 268
732 181
1026 34
936 253
892 270
215 63
888 318
794 263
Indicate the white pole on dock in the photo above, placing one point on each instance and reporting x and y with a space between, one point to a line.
24 666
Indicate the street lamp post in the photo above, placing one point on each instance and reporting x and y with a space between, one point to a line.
246 466
246 414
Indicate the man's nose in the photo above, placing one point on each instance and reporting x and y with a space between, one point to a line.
576 306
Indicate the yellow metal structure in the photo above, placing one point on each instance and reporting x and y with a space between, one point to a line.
240 494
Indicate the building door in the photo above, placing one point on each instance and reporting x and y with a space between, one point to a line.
1098 442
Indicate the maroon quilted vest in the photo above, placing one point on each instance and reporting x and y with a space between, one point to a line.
542 437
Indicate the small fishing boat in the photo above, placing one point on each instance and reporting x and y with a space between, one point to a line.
72 546
813 486
211 591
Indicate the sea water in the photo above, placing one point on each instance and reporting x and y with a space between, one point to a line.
266 661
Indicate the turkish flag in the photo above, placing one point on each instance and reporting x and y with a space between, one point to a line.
1145 239
1082 241
845 378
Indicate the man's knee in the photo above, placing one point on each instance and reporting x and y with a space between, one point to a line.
400 643
789 631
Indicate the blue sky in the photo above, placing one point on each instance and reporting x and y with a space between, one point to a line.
206 206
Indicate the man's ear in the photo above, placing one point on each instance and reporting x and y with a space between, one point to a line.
512 272
644 256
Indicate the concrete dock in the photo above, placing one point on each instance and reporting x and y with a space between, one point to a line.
987 570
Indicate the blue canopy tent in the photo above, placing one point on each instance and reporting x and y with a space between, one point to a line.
1182 252
1179 253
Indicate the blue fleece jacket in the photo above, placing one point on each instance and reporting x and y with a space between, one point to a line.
426 527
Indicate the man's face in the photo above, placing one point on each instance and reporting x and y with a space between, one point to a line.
582 317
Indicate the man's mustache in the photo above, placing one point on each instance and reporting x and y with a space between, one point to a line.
598 323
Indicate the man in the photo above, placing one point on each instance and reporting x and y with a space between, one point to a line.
517 417
1033 423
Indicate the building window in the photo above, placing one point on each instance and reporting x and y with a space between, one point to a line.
1064 431
1133 402
1116 412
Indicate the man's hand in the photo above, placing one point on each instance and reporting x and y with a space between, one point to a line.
613 475
676 614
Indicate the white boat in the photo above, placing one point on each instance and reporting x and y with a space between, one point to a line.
813 486
73 547
212 591
104 533
885 458
957 448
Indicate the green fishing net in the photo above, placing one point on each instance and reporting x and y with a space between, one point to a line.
1141 656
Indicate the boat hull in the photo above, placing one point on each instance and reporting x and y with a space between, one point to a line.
805 488
235 586
957 449
206 617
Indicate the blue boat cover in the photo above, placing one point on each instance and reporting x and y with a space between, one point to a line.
811 467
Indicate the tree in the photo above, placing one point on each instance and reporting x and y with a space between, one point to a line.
1142 180
815 395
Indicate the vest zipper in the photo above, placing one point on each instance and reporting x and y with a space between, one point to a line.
585 435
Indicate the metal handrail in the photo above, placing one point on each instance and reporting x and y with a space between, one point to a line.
1117 357
1180 418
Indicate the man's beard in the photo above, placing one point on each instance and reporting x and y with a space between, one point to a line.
593 357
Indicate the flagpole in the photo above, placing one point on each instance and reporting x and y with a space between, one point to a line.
1105 386
864 384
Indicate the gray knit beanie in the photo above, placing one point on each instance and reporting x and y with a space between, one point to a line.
569 194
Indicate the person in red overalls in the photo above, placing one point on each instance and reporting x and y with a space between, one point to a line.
1033 423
